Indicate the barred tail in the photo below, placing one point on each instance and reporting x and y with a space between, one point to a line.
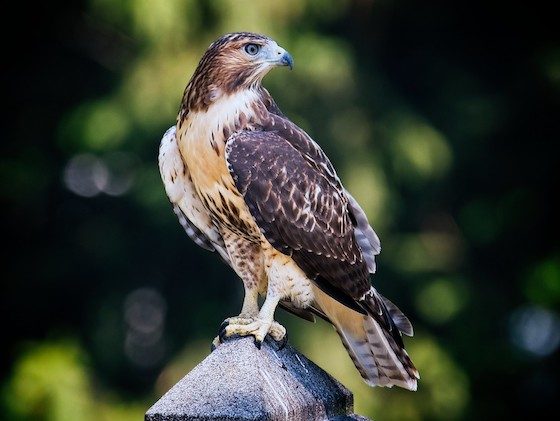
376 354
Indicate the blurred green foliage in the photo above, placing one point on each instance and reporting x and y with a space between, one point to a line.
441 119
51 381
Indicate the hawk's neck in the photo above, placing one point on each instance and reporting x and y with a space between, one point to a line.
242 110
203 133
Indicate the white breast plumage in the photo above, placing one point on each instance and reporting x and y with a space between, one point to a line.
186 203
202 138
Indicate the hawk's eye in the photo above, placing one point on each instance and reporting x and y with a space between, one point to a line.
252 49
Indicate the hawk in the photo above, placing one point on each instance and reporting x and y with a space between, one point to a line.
249 184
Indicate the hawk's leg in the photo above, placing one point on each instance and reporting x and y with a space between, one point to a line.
250 308
246 260
278 284
249 311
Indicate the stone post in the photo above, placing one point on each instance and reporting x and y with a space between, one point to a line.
240 382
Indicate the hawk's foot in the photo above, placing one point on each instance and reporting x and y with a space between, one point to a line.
222 337
258 328
237 320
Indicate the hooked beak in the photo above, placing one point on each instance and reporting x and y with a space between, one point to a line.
281 57
287 60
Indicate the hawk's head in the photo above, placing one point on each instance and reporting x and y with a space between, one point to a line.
237 61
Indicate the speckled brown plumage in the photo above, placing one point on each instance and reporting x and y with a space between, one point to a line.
300 208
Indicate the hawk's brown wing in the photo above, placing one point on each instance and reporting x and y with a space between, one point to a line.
302 210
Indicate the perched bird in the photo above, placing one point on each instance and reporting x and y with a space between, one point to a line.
249 184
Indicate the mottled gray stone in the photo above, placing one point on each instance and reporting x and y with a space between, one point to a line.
240 382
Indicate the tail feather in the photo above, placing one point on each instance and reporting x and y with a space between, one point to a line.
398 317
392 360
380 360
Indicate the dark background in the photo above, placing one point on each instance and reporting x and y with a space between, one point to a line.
441 118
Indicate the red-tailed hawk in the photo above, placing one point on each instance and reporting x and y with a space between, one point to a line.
249 184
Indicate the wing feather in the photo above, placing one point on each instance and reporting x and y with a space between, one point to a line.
302 209
365 235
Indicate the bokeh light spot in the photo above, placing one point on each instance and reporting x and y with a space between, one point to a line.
535 330
85 175
88 175
144 314
440 300
420 151
367 184
122 172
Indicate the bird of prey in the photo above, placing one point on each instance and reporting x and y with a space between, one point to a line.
252 186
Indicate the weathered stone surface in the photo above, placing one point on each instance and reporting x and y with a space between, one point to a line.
240 382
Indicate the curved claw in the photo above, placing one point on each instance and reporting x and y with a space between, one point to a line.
282 343
223 326
222 335
258 343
